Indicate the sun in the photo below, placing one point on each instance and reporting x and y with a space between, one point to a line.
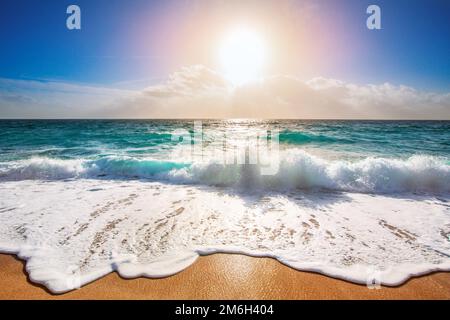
242 56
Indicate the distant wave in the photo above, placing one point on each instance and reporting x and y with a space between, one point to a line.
297 169
297 137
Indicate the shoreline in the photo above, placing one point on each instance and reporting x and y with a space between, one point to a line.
223 276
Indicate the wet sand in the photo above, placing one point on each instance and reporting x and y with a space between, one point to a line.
223 276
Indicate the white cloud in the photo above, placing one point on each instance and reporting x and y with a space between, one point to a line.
52 99
198 92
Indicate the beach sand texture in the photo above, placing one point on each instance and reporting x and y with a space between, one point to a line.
223 276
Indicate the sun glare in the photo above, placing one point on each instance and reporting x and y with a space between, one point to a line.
242 56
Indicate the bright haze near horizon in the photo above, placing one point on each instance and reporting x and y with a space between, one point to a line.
225 59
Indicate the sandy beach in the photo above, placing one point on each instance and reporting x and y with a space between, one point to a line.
223 276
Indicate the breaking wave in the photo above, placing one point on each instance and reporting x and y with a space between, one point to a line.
294 170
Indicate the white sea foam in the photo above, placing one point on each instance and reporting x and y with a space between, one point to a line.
73 232
297 169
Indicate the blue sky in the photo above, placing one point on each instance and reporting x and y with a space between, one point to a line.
134 44
413 48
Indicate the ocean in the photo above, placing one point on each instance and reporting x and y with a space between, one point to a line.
364 201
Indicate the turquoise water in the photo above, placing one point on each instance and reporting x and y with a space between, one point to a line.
61 149
71 139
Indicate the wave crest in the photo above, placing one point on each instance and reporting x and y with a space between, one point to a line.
296 170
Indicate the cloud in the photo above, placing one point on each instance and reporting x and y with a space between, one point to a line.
198 92
53 99
188 82
384 101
